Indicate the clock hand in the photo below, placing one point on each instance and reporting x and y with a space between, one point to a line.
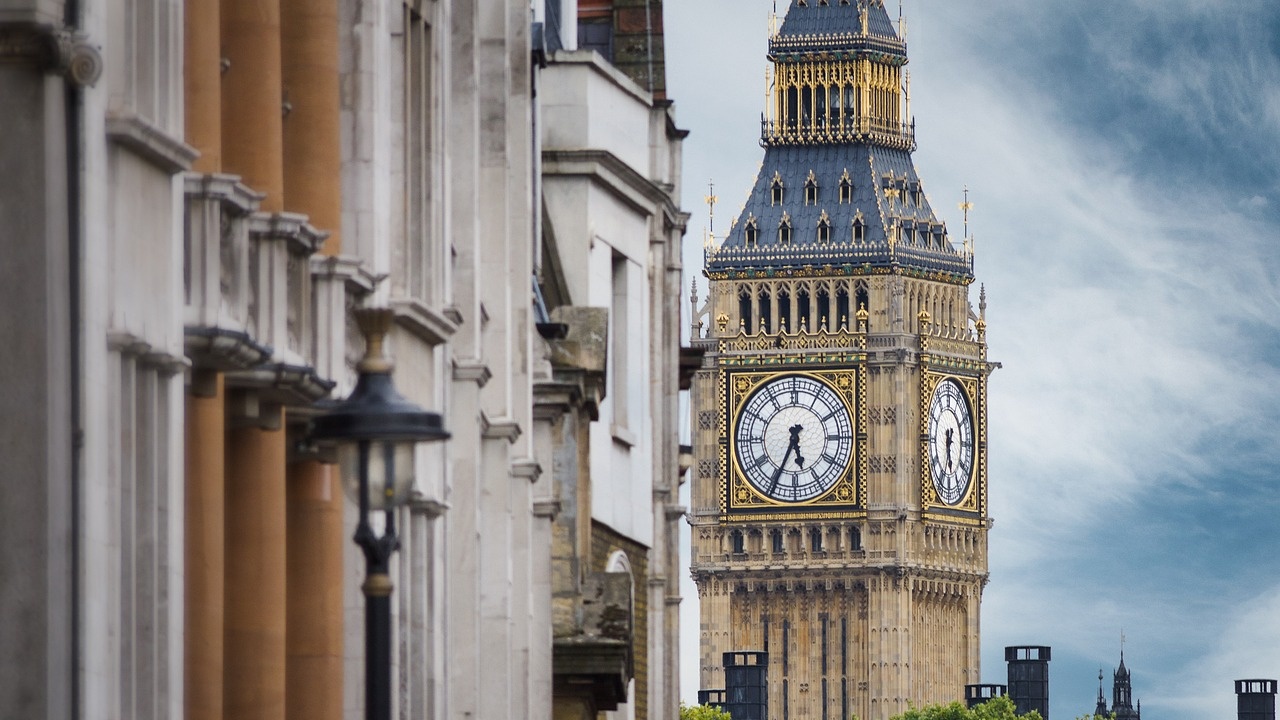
778 474
795 431
948 448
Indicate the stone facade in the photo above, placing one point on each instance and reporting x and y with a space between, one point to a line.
197 194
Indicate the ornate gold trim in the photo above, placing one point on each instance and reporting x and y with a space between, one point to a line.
740 501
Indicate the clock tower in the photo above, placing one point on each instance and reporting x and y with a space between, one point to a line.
839 504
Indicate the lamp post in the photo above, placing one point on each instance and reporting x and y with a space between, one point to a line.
375 430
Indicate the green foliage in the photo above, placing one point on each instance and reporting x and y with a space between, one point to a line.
702 712
1000 708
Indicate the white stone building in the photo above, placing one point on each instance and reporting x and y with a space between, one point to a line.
195 195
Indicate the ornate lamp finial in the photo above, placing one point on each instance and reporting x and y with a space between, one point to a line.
374 324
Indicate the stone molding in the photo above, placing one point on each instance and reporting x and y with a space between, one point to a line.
426 323
472 370
150 142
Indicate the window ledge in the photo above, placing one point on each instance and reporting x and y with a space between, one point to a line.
623 436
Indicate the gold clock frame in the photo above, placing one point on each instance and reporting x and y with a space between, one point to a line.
740 501
972 508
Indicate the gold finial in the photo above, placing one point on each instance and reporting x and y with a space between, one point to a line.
711 201
374 324
722 322
862 316
925 319
966 206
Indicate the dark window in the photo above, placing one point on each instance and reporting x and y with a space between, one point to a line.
802 305
824 232
597 35
765 316
846 191
810 193
784 233
815 544
735 537
750 234
775 194
776 537
744 309
824 309
855 539
842 309
861 297
859 231
784 309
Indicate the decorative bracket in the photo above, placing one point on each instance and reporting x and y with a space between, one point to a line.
53 49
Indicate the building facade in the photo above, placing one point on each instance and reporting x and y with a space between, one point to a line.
840 484
201 192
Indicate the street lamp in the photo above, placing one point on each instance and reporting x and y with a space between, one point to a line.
375 430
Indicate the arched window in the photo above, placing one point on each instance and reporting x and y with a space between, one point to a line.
859 229
765 321
815 540
784 309
861 298
855 538
775 537
811 189
750 232
802 307
824 230
842 309
775 189
738 547
744 307
784 230
824 309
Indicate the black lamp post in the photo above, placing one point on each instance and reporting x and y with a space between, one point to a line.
375 430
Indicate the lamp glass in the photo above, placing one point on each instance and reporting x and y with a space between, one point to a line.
397 454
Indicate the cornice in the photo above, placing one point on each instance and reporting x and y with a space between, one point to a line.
426 323
150 142
612 172
227 189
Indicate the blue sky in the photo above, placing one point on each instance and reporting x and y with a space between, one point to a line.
1123 159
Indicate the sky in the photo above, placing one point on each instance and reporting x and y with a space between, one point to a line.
1123 161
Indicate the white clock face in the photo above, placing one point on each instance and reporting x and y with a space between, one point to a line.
794 438
950 442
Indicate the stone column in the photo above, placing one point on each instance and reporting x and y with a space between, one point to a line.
312 147
313 673
251 97
254 659
205 504
312 169
202 85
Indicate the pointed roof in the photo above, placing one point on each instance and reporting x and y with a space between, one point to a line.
868 209
837 25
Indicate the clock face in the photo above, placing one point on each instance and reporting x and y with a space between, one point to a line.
794 438
950 442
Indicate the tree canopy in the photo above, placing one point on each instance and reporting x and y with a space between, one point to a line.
702 712
999 708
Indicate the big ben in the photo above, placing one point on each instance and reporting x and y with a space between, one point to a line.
839 502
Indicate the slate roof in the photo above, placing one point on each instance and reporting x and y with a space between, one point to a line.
874 168
834 27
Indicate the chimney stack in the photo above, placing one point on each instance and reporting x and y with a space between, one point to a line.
1029 678
1256 699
